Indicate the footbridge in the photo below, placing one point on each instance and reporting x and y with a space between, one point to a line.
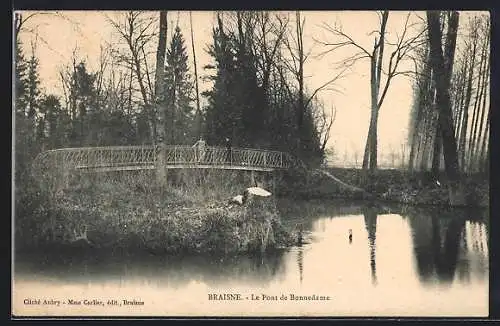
128 158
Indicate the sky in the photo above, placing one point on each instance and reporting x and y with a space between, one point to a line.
59 33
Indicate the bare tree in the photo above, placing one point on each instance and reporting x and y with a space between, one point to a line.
104 61
298 57
468 94
67 75
115 91
323 121
478 113
270 33
137 30
481 148
20 22
403 48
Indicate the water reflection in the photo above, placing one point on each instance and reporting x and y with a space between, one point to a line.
442 243
300 262
370 217
152 270
394 256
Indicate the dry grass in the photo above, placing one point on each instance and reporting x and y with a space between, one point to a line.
191 213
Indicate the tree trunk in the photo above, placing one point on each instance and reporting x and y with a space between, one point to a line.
445 113
421 114
376 63
460 104
463 131
373 142
418 153
161 170
424 151
198 110
483 156
300 106
413 149
475 116
477 105
483 110
368 155
437 151
449 54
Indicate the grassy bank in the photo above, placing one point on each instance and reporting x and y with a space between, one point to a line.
131 211
414 188
192 213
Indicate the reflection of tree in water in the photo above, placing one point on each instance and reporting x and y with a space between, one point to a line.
370 216
170 271
300 262
439 241
479 248
463 265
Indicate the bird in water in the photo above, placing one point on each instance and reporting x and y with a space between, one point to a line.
350 235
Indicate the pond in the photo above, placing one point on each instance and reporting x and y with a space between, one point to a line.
400 261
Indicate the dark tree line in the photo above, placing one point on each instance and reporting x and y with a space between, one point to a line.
259 98
466 63
97 108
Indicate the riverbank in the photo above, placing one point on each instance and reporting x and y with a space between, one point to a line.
193 213
132 212
413 188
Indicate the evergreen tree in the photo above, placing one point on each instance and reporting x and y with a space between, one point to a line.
223 115
55 120
248 109
21 83
27 97
33 94
179 91
83 105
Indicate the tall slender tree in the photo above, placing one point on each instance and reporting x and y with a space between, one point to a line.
199 117
401 50
161 108
449 56
444 105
